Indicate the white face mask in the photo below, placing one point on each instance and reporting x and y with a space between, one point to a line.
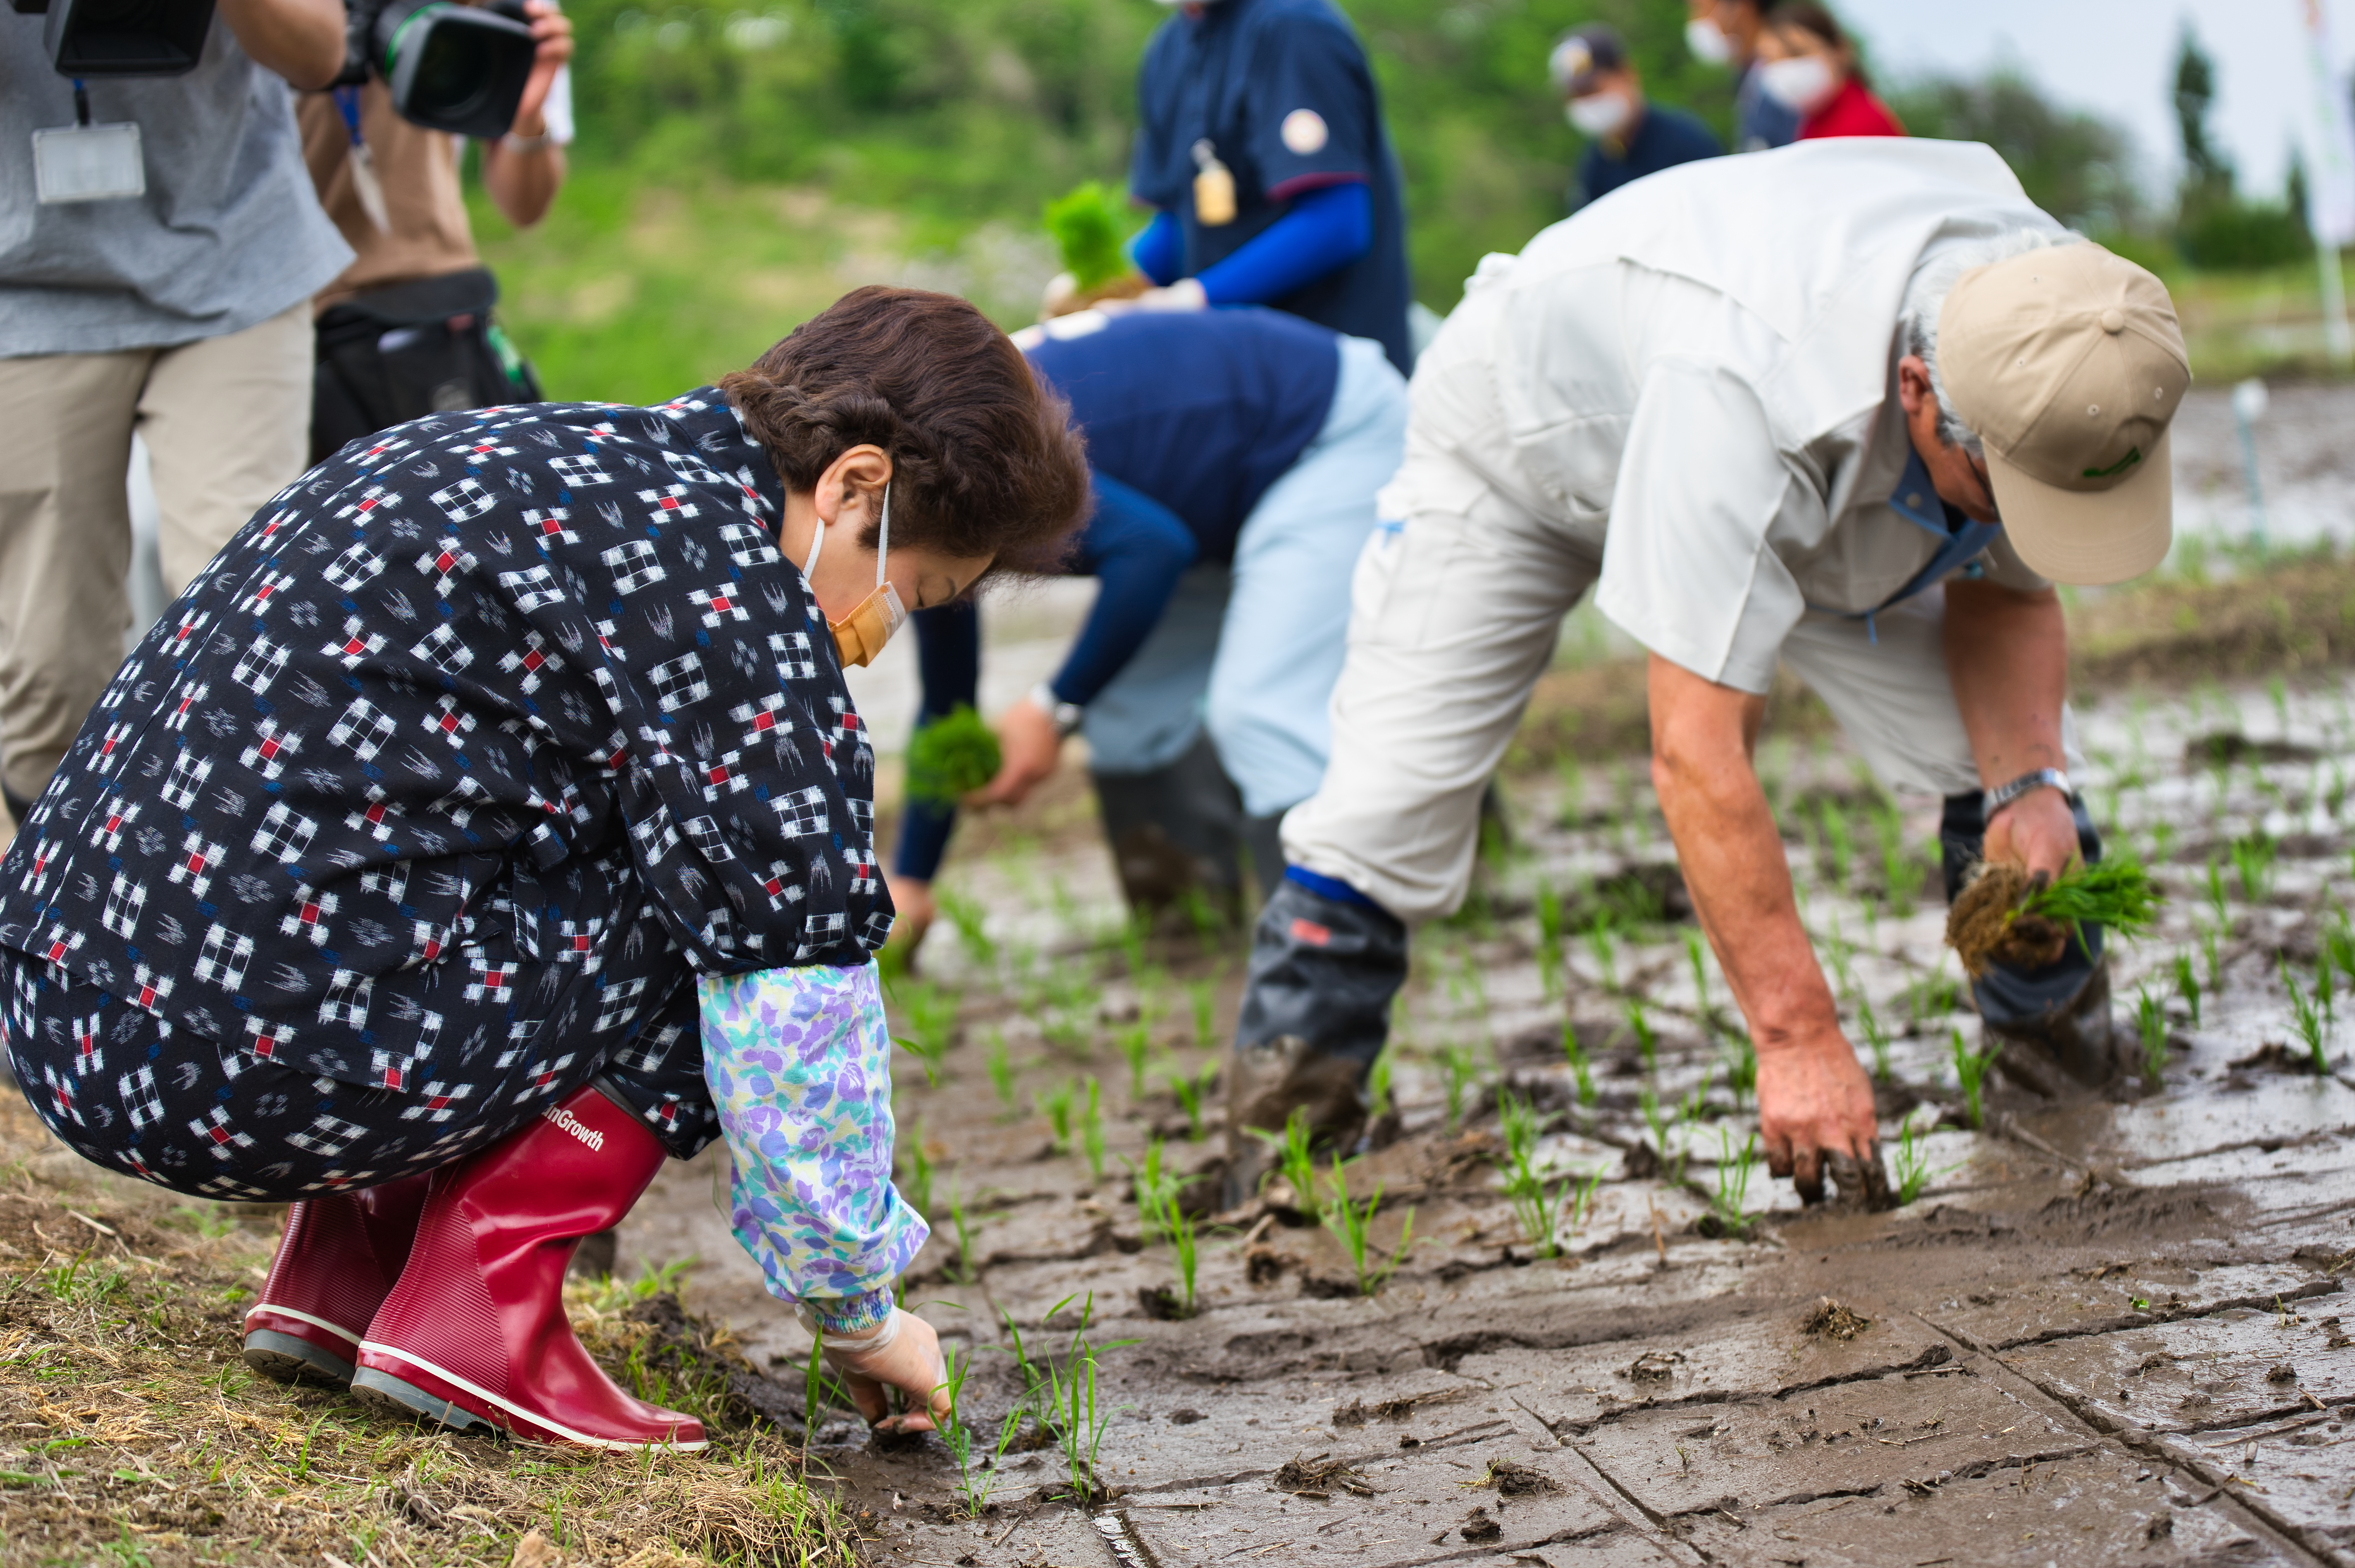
860 635
1797 84
1599 114
1707 44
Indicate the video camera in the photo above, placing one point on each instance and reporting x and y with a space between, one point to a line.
454 68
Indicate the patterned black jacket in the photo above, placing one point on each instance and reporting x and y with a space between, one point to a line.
506 719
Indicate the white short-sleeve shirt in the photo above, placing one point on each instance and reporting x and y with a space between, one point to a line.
1697 375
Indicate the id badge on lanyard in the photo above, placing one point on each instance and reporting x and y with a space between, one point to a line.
83 162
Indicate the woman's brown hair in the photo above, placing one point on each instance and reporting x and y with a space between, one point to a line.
984 457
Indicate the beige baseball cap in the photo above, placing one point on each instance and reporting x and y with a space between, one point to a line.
2069 363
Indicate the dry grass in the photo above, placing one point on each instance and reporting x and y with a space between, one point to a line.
132 1433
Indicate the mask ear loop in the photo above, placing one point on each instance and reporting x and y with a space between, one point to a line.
817 546
883 535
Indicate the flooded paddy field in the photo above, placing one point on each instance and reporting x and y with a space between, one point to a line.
2100 1328
1565 1318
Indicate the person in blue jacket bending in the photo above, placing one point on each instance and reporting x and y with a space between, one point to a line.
1262 153
1234 456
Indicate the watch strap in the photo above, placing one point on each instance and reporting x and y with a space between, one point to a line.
1066 715
2003 794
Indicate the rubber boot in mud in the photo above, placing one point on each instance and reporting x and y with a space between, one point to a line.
1315 1013
475 1333
335 1264
2069 1043
1175 832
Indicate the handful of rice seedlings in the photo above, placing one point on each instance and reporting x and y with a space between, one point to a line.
2004 913
951 757
1087 224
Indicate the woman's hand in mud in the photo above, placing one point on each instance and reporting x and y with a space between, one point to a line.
1815 1112
2037 831
1029 745
912 1363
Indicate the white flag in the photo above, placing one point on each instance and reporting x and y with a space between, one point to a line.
2329 138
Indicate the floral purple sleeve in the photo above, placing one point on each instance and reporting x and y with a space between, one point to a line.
799 1062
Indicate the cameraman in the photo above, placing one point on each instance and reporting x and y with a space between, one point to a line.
407 329
180 312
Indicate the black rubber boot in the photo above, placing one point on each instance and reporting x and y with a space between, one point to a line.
2054 1023
1315 1013
1175 830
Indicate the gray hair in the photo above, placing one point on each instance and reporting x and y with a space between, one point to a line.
1925 297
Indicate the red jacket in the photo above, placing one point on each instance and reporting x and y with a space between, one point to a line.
1853 111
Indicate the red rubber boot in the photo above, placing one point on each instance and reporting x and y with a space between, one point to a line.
335 1266
475 1333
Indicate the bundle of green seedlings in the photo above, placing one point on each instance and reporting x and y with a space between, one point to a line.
2003 913
948 758
1090 227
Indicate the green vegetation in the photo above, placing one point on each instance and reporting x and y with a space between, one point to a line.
951 757
2118 894
1970 1073
1090 225
1350 1223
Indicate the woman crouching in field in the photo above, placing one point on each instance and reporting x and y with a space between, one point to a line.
386 876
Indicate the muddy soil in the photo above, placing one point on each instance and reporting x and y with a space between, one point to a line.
2104 1327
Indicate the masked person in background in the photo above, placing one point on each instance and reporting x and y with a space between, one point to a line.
1725 32
406 329
1864 449
1808 65
1627 136
1264 156
1234 456
394 874
170 299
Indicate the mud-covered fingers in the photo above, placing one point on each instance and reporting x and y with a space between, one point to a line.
1807 1173
1778 1152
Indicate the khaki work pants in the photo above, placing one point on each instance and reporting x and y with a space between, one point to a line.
227 425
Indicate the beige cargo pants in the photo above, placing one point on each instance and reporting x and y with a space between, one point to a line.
227 425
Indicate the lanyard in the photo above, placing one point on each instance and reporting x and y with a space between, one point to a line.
1917 501
347 100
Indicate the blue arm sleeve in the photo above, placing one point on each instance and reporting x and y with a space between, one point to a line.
948 663
1136 548
1326 228
1159 251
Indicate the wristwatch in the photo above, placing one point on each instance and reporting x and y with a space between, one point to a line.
1996 799
1066 715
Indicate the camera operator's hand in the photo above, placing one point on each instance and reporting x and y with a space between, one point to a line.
522 170
301 41
553 28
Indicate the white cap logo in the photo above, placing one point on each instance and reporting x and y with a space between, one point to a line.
1304 133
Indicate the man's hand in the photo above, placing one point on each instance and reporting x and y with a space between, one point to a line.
1815 1113
1815 1107
2037 831
914 909
301 40
911 1363
554 29
1029 744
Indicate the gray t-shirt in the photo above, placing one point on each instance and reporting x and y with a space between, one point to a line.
228 234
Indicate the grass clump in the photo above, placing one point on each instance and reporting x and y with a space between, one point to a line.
1970 1072
1350 1222
1546 1212
950 758
2004 916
